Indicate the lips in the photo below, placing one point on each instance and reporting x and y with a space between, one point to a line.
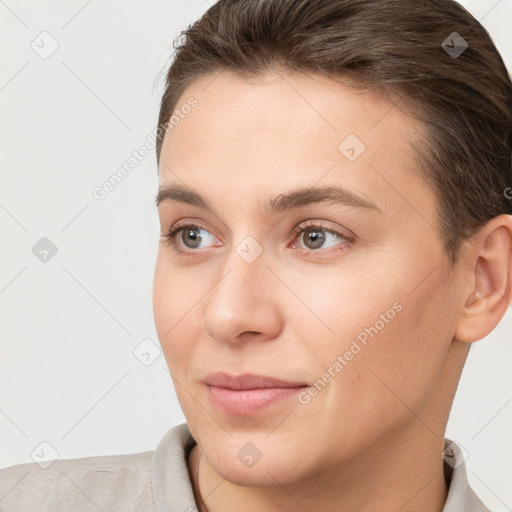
248 394
248 381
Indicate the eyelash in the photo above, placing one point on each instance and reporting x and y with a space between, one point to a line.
296 232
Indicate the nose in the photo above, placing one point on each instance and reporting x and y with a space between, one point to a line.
243 304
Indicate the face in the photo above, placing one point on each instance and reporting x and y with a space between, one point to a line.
304 249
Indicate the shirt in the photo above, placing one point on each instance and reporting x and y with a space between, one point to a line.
153 481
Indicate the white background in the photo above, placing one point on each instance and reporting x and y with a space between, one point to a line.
68 375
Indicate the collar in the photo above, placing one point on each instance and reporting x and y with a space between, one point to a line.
171 480
173 491
460 495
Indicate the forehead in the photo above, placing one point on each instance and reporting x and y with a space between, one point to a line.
288 129
290 106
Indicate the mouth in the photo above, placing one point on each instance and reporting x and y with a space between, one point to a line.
248 394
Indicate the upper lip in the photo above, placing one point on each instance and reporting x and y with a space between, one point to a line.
248 381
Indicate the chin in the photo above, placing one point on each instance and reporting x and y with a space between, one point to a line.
260 464
262 474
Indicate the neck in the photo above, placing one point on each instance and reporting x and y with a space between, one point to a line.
403 472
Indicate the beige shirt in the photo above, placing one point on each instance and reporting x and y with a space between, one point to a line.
155 481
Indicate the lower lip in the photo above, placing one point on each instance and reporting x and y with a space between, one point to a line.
248 402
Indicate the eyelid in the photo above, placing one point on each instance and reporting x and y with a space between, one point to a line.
311 223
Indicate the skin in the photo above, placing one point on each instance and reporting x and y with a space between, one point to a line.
289 314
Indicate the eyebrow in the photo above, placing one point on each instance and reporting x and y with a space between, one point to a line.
281 203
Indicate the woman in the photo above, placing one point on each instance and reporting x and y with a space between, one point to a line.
325 262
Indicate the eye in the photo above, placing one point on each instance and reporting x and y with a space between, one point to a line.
191 236
315 236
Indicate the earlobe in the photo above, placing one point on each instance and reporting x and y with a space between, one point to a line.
492 277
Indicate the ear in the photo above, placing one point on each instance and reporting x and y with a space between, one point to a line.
490 270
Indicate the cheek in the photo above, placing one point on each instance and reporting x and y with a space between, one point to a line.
388 345
163 299
176 304
348 306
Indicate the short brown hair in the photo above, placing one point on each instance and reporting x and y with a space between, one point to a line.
395 46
